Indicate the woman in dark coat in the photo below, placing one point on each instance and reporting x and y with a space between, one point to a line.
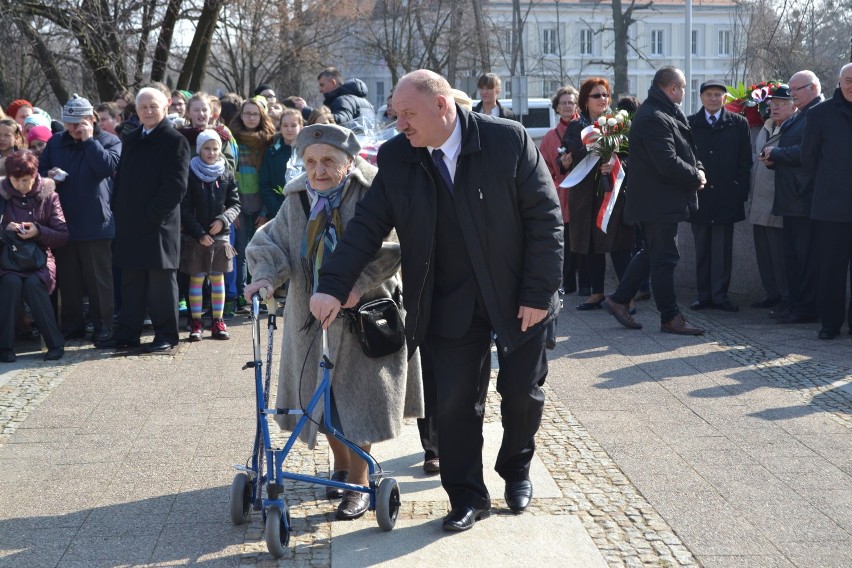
31 208
585 200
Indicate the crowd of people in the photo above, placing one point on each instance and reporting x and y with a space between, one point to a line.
162 199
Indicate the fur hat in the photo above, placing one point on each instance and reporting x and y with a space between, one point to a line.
76 109
331 134
205 136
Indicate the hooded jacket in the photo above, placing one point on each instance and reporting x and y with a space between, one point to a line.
349 101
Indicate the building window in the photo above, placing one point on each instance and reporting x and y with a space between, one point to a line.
657 39
694 42
693 95
548 41
725 42
380 93
586 44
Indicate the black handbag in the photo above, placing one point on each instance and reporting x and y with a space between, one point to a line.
20 255
378 325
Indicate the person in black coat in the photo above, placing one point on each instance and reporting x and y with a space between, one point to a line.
793 191
724 149
346 99
480 232
152 179
827 157
490 86
665 176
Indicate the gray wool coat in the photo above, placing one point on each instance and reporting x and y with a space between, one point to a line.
762 196
372 396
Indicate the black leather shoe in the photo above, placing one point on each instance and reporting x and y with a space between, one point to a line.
7 356
101 335
463 518
766 303
340 475
78 333
157 346
354 505
726 307
699 305
432 466
790 318
518 495
117 343
54 354
586 306
828 333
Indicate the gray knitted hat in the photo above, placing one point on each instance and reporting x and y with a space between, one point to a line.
76 109
331 134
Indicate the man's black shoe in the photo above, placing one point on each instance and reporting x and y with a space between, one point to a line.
54 354
101 335
518 495
157 346
699 305
463 518
117 343
726 307
828 333
766 303
790 317
78 333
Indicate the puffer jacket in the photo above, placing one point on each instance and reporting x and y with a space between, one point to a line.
349 101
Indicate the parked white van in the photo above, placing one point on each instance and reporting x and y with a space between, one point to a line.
539 119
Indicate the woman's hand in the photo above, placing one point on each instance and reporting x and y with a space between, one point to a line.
566 159
262 287
216 227
25 230
354 298
260 221
206 240
606 169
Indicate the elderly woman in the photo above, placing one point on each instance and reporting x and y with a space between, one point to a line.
370 397
31 209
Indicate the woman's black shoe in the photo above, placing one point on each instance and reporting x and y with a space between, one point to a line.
354 505
334 492
585 306
828 333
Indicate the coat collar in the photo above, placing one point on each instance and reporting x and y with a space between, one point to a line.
44 187
470 140
363 172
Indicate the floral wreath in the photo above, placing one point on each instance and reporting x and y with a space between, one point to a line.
751 102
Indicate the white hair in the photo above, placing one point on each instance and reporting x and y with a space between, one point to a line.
155 93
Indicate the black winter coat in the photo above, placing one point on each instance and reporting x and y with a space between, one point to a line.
793 185
349 101
725 153
504 112
664 168
508 211
206 202
827 157
152 178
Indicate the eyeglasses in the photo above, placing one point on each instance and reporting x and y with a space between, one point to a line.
805 86
598 96
251 115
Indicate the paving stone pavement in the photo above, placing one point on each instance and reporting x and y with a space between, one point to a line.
149 441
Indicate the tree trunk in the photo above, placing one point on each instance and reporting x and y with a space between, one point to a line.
195 66
481 37
164 41
46 60
620 25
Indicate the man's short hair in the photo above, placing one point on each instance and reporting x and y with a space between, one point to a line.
160 86
429 83
158 95
488 81
331 73
109 108
666 76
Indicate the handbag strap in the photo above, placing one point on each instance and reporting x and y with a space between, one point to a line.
3 201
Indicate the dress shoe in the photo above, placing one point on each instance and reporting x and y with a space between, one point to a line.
726 307
354 505
642 296
432 465
781 310
54 353
117 343
340 475
8 356
790 318
78 333
621 313
828 333
157 346
101 335
699 305
463 518
679 326
518 495
766 303
586 306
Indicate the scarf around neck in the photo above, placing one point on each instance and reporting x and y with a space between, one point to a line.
206 172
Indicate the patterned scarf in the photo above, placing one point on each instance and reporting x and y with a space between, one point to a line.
206 172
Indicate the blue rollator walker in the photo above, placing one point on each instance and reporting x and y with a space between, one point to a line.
266 467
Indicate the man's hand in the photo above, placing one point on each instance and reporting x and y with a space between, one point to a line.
299 102
263 287
530 317
703 178
354 298
764 156
325 308
85 128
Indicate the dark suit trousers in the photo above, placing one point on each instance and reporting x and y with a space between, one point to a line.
834 241
153 290
658 259
714 257
461 387
14 287
428 425
801 262
85 267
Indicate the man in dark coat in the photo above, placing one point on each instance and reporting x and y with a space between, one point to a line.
480 232
665 176
827 157
152 178
724 149
88 157
347 100
793 191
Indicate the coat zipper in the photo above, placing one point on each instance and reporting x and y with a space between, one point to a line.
431 245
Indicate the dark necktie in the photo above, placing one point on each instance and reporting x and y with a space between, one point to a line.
712 120
438 159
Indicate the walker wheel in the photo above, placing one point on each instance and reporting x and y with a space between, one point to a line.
277 531
387 503
241 500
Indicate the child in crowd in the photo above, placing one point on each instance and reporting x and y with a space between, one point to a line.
208 209
10 140
199 115
276 169
37 139
321 115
